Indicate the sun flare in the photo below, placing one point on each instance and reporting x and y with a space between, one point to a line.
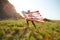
23 5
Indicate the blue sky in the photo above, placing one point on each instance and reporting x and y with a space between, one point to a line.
48 8
51 9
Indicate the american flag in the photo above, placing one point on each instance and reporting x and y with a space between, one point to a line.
34 16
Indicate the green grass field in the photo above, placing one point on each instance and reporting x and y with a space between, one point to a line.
18 30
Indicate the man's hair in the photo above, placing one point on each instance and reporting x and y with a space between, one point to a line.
37 11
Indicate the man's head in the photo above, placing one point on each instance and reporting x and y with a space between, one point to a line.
28 10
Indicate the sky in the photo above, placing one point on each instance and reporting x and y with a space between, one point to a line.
48 8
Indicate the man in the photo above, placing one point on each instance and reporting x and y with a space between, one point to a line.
30 18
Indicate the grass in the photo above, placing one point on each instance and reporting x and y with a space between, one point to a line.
18 30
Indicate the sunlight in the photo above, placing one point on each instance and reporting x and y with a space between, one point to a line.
23 5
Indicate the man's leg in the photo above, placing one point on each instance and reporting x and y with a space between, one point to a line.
27 23
33 24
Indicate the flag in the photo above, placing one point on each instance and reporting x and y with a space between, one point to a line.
33 16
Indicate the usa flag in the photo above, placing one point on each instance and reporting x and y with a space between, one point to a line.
33 16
